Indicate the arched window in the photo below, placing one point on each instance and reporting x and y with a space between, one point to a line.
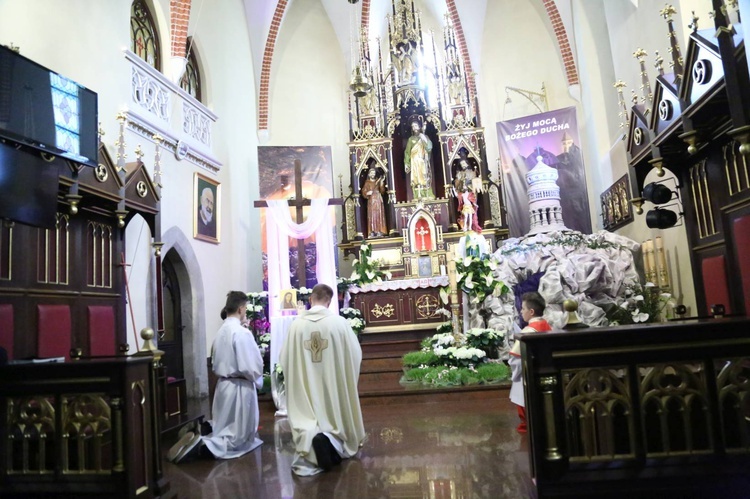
191 80
143 34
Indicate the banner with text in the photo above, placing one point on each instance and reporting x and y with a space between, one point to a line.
554 136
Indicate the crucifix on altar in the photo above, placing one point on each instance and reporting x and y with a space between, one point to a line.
299 202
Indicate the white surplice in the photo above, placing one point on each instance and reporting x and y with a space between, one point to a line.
321 358
238 364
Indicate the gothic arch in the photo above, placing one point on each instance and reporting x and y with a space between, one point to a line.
189 275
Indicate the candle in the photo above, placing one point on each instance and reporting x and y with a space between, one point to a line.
662 270
452 273
648 258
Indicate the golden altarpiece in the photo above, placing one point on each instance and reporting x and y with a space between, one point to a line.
418 168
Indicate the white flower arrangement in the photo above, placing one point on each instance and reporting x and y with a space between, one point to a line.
365 269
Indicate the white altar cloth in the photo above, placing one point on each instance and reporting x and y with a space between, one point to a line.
395 285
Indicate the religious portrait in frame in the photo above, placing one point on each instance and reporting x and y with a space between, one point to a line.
424 266
288 300
206 208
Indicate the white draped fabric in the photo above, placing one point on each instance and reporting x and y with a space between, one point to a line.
279 329
279 228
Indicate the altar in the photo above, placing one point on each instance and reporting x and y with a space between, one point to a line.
401 305
419 175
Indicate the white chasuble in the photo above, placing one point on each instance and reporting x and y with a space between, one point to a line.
238 364
321 358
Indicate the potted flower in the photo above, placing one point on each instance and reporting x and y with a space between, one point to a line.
366 270
354 318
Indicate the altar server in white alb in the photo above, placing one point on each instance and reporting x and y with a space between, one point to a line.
321 358
238 364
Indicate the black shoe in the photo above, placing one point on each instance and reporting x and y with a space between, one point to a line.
205 428
324 452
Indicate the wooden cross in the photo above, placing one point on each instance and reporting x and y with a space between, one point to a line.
299 202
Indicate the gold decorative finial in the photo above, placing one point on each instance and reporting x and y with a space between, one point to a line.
157 138
659 62
122 117
640 54
667 12
694 22
619 84
633 97
100 131
139 152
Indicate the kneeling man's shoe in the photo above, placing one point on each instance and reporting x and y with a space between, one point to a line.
324 451
191 450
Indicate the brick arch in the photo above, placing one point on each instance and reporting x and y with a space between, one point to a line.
179 16
265 73
571 72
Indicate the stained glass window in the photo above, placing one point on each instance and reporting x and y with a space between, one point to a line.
191 80
143 34
66 111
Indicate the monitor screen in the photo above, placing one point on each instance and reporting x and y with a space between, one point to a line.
28 188
45 110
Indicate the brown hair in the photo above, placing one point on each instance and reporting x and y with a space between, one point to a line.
535 302
235 301
321 293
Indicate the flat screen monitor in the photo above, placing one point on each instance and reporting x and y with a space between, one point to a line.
28 188
45 110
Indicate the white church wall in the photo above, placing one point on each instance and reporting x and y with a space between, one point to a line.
94 58
621 29
308 94
598 114
519 50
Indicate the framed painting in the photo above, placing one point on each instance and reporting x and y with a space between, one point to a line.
206 212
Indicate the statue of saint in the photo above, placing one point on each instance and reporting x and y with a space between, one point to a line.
373 191
467 207
417 162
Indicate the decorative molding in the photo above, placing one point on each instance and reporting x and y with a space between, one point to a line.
153 92
196 123
147 130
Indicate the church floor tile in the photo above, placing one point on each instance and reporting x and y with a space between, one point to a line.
430 450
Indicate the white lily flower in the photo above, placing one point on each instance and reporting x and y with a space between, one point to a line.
649 285
355 276
370 274
468 284
639 316
443 295
638 298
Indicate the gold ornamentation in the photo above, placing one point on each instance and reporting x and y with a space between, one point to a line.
86 424
141 188
54 250
427 306
351 223
387 310
670 392
316 345
596 401
31 435
101 173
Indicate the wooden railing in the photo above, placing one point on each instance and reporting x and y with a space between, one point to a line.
80 428
649 408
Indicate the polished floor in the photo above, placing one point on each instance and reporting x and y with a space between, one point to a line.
424 450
